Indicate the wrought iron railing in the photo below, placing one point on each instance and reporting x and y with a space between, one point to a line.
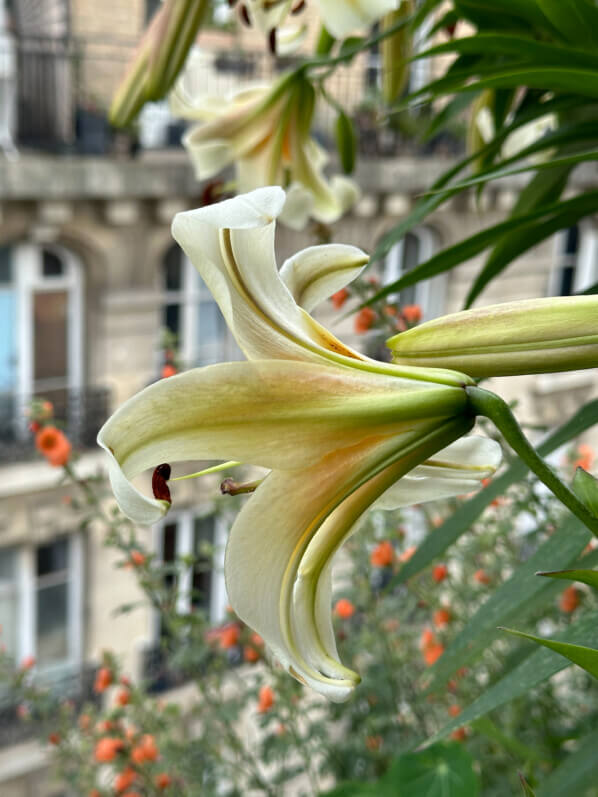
61 88
79 413
17 724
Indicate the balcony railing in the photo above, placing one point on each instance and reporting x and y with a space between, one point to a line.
79 413
75 687
60 89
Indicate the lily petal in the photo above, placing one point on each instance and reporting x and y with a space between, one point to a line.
458 469
274 414
317 272
341 17
268 15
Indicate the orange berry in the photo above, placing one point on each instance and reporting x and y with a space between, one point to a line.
585 457
454 710
439 573
27 663
256 640
250 654
103 680
123 698
229 636
168 370
412 313
137 558
383 554
266 699
344 609
163 780
339 298
569 599
54 445
54 738
427 639
364 320
433 653
459 735
126 778
442 617
481 577
107 749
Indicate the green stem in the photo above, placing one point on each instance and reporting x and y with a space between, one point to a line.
488 404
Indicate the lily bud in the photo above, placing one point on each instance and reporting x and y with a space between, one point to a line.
527 337
396 49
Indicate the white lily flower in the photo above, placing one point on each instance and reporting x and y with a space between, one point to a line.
336 430
268 14
264 131
342 17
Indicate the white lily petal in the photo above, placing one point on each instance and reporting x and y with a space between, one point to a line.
298 207
341 17
268 15
232 246
274 414
315 273
290 37
458 469
208 157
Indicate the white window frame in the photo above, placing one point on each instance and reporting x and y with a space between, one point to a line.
29 278
26 588
586 263
185 520
430 294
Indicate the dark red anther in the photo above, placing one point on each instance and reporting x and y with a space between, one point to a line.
450 29
299 7
232 3
245 15
159 478
272 41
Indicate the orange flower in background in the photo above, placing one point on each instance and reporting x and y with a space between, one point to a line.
481 577
266 699
54 738
454 710
103 680
441 618
256 640
123 698
459 735
84 722
137 559
126 778
433 653
107 749
383 554
373 743
54 445
250 654
407 554
344 609
168 370
569 599
427 639
364 320
27 663
339 298
412 313
229 636
94 793
585 457
163 780
439 573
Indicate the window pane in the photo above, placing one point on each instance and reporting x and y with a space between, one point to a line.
572 240
50 320
5 265
8 339
52 558
52 624
172 318
203 536
8 600
169 540
52 265
173 269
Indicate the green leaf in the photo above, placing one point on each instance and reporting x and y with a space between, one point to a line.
527 789
469 511
533 670
585 486
589 577
586 658
568 17
576 773
443 770
575 80
512 600
346 142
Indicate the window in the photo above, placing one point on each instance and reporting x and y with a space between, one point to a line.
201 586
41 603
190 313
151 6
416 247
576 265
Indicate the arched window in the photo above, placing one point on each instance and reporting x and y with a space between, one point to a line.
41 295
190 313
416 247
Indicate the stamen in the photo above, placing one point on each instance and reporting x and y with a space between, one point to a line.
159 487
231 487
272 41
245 15
213 469
299 7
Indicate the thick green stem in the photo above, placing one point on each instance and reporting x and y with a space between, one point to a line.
483 402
